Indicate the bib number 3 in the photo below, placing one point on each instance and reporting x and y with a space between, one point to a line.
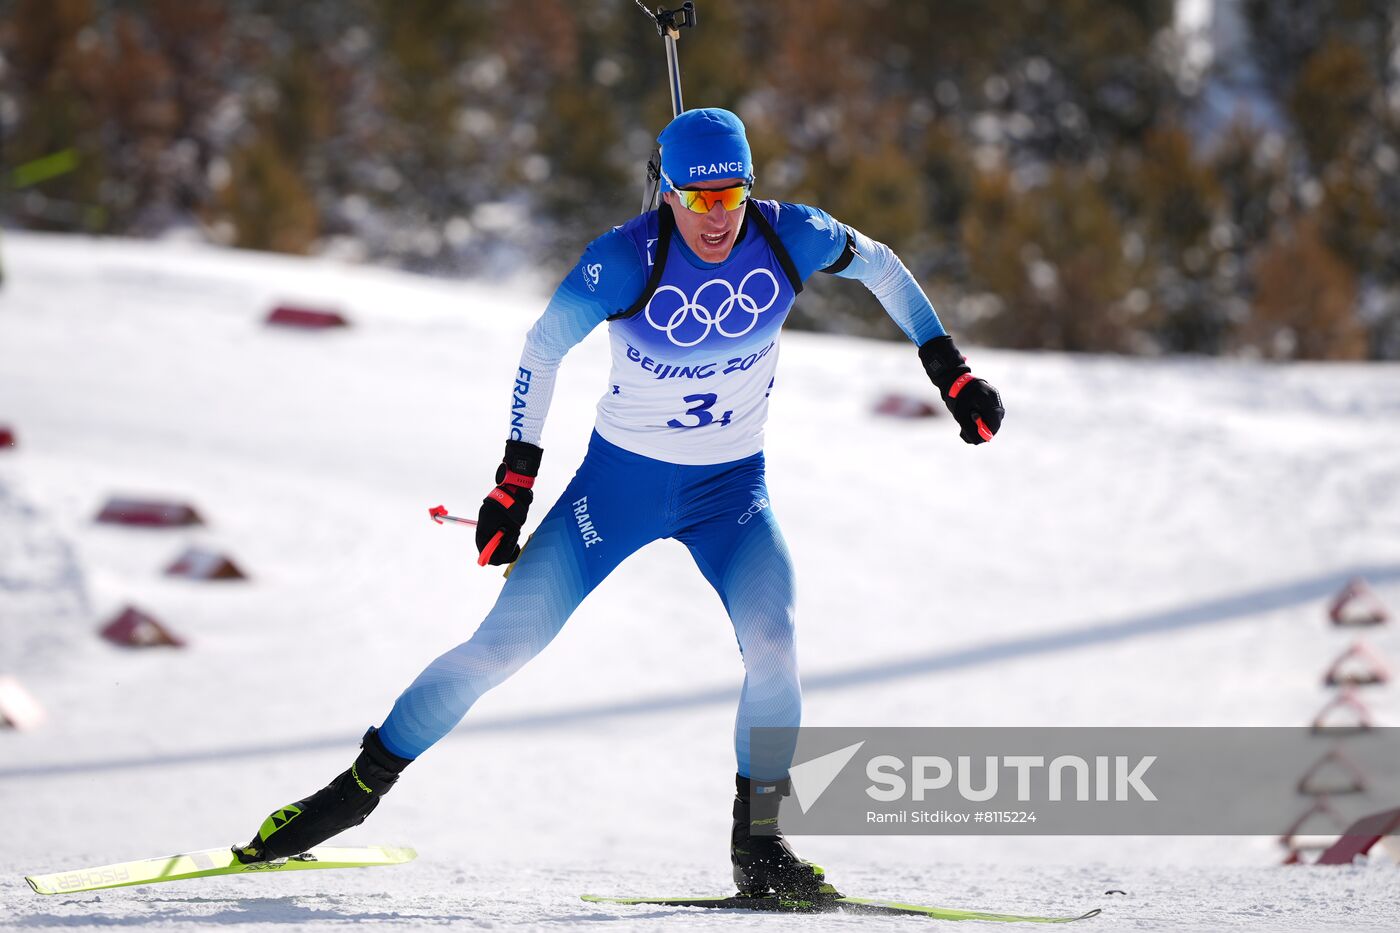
700 411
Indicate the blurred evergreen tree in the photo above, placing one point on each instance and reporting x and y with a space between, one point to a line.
1331 98
430 164
53 54
1053 258
1285 34
1351 214
579 136
191 36
1251 168
1178 205
1305 299
267 201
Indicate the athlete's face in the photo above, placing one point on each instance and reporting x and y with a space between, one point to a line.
711 235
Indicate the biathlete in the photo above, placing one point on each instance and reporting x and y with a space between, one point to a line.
694 295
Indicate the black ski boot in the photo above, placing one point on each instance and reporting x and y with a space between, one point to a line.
341 804
763 860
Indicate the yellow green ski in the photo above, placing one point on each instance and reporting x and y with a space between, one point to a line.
831 904
207 862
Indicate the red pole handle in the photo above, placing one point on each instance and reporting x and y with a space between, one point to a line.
485 557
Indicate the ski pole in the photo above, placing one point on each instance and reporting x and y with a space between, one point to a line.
668 25
438 513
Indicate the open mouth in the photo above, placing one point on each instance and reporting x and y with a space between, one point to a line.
714 239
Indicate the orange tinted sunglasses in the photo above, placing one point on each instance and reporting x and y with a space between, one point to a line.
702 202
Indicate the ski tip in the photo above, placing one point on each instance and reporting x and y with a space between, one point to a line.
208 862
1093 913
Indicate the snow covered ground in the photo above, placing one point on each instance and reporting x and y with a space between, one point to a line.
1147 543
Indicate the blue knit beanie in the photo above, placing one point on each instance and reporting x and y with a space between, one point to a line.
702 145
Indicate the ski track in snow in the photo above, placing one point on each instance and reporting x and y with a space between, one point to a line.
1147 543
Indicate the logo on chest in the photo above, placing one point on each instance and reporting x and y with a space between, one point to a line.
715 307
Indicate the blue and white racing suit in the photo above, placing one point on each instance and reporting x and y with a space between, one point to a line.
676 453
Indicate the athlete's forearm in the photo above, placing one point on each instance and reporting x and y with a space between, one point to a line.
531 394
557 331
880 270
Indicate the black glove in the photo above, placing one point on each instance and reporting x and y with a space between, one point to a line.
974 403
504 509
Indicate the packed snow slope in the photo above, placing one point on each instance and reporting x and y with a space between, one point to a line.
1146 543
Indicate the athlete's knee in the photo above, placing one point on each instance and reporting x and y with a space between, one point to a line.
495 655
768 640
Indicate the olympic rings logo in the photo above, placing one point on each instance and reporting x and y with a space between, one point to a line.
681 331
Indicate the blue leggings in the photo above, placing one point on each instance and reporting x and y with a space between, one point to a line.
617 502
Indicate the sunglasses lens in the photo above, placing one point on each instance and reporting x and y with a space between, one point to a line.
701 202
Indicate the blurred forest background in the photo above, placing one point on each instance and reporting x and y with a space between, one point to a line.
1140 176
